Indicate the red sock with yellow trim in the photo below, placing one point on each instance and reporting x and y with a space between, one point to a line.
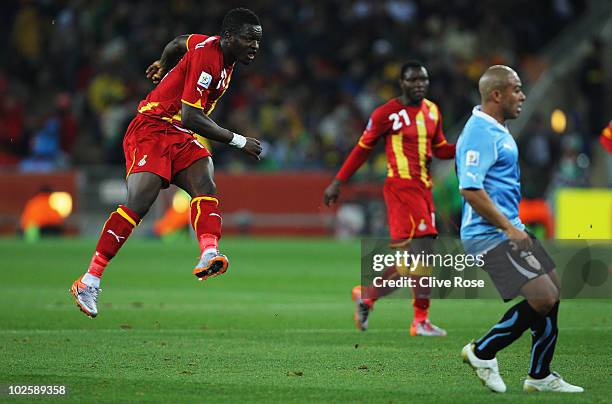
206 221
115 232
420 301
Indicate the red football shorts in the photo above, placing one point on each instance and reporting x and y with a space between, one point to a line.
410 209
157 147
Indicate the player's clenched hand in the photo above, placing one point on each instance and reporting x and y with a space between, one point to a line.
252 147
519 238
332 192
155 72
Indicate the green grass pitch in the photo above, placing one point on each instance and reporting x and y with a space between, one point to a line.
277 327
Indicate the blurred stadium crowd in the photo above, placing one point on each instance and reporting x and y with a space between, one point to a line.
72 71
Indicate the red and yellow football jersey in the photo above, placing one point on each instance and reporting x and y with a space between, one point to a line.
199 79
411 133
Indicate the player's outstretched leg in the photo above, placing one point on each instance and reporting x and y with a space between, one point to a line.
543 295
365 297
206 220
197 181
481 354
143 188
543 341
115 232
421 326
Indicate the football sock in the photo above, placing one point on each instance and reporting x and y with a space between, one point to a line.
115 232
421 310
91 280
420 301
372 293
206 221
511 326
544 333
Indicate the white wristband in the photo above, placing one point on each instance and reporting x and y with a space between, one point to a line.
238 141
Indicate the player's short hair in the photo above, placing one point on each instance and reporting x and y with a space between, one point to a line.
236 18
411 64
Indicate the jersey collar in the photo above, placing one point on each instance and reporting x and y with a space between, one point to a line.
399 101
477 112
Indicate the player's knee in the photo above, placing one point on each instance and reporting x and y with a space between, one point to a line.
205 186
549 303
139 205
140 208
544 304
212 188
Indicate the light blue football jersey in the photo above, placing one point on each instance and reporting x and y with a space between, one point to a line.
487 158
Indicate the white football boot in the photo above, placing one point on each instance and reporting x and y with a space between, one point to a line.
426 329
553 382
486 370
211 264
86 297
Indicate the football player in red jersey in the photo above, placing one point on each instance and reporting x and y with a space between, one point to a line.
412 128
161 148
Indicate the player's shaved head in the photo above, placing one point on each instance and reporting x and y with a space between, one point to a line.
495 78
501 93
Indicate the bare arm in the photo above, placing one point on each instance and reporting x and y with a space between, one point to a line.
356 158
172 53
480 201
195 120
332 192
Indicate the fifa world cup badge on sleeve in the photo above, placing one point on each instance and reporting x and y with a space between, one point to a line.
204 80
472 158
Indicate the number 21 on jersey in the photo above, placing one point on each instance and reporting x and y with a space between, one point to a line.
397 118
